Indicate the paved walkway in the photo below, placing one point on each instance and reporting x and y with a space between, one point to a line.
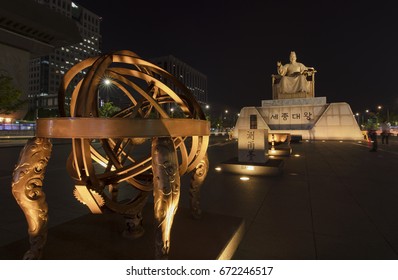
336 200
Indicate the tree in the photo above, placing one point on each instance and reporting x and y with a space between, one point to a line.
108 110
9 96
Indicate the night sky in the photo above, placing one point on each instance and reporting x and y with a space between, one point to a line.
353 46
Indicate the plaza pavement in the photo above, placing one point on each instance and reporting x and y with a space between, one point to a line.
334 201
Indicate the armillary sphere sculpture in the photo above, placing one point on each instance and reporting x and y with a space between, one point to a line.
116 162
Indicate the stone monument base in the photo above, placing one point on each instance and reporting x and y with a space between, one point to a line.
280 151
310 118
272 167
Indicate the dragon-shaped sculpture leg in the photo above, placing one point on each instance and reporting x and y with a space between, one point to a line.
133 217
27 183
166 191
198 176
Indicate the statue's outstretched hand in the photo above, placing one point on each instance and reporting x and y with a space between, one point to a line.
279 64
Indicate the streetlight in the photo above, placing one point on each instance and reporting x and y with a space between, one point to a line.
226 112
357 117
104 85
225 118
207 112
387 112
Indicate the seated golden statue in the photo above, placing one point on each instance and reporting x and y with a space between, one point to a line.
294 80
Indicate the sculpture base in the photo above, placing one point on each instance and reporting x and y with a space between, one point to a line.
310 118
99 237
272 167
280 152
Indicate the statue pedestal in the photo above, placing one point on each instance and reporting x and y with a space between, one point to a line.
309 118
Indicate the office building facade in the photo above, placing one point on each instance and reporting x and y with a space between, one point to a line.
194 80
46 72
26 33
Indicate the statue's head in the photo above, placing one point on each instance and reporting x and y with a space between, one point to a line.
293 56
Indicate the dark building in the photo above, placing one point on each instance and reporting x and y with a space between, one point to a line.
192 78
47 71
28 30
